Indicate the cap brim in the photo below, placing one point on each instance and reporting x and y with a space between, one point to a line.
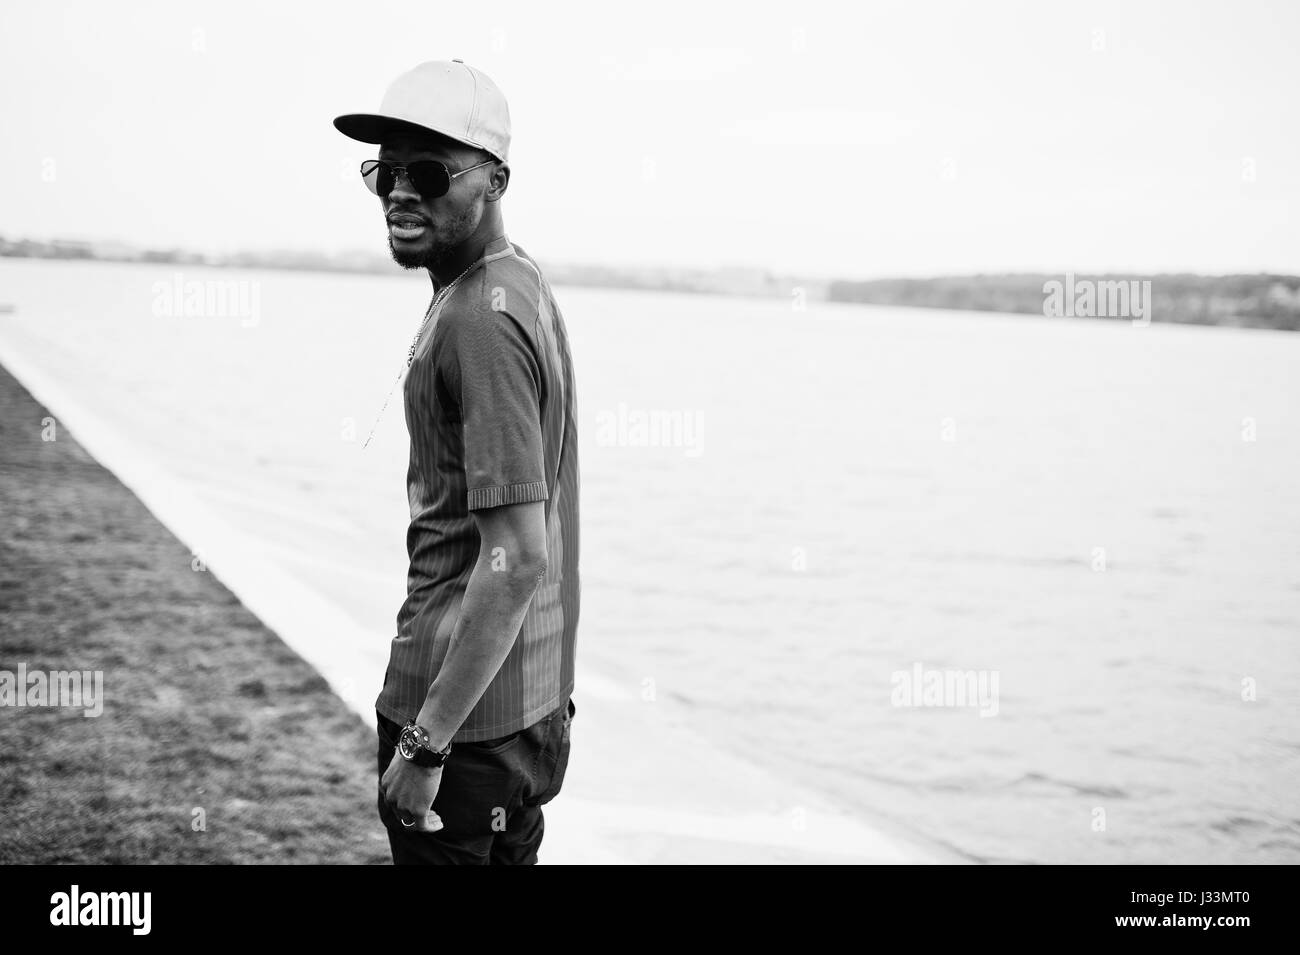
376 128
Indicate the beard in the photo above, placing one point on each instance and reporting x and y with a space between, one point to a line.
428 258
444 239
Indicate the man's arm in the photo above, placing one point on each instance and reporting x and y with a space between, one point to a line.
511 563
501 586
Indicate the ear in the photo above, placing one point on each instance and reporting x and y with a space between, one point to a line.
498 182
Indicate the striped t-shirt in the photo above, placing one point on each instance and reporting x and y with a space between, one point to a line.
491 415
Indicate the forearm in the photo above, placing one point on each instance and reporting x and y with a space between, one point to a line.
491 615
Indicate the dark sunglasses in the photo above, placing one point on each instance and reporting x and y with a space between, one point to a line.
428 177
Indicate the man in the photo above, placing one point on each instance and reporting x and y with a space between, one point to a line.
475 712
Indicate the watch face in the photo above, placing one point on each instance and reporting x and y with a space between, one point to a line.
407 745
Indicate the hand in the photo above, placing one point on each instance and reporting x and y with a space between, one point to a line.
410 790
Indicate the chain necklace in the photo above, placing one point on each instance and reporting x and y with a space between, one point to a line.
438 299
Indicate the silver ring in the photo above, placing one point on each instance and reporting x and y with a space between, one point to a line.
408 825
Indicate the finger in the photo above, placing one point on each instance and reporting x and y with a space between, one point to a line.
431 822
423 821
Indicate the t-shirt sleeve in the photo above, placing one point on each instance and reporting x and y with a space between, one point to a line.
492 370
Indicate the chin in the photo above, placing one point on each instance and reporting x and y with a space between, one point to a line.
413 257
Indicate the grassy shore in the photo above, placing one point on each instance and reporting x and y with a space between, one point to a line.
217 743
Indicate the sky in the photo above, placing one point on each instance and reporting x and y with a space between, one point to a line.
832 140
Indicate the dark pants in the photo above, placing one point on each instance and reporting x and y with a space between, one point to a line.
490 798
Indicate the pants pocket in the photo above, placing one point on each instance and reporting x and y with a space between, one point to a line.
561 743
491 747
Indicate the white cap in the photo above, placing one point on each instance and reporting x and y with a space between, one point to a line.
450 98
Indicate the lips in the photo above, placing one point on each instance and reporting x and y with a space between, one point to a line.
406 227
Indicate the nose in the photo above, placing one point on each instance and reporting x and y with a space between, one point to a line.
402 190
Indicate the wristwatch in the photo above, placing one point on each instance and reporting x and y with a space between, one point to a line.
414 745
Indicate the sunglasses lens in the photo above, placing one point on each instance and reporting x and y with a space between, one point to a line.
377 177
430 178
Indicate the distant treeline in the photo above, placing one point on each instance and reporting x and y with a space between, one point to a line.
1253 301
725 281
